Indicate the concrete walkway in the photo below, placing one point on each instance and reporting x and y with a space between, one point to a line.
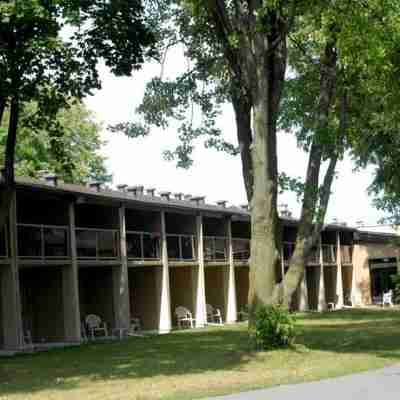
383 384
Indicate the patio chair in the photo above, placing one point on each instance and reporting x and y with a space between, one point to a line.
27 341
94 325
387 299
135 326
184 317
243 314
213 314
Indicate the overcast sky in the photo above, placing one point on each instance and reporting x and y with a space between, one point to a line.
216 175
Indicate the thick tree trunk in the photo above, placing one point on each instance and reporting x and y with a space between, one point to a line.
8 178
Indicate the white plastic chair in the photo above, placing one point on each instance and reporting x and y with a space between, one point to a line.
213 314
184 317
387 299
94 324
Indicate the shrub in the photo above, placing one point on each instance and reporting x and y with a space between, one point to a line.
274 327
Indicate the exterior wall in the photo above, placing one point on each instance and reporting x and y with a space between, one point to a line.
330 272
144 296
96 293
312 286
215 287
42 303
181 288
361 253
242 287
347 277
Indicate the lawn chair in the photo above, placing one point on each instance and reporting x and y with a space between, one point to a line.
184 317
94 325
213 314
135 326
387 299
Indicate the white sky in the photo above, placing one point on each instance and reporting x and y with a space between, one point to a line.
215 175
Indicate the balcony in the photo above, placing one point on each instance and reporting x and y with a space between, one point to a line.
181 247
329 254
346 254
143 245
215 248
97 244
42 241
241 249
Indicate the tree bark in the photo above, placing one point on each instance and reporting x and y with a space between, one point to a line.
8 178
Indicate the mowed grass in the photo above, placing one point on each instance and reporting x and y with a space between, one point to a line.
201 363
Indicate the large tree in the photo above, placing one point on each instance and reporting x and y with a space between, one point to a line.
71 151
38 63
238 51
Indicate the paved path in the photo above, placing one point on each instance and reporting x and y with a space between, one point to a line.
383 384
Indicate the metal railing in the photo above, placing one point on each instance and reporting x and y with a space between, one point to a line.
346 254
329 253
42 241
241 249
181 247
97 244
143 245
215 248
288 250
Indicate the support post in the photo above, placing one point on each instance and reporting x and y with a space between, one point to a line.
120 279
339 281
162 284
198 279
11 302
321 286
229 279
72 324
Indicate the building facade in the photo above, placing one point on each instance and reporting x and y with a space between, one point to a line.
68 251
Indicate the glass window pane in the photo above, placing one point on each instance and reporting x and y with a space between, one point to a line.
221 249
209 248
151 246
173 247
29 241
55 242
187 248
133 245
107 244
86 243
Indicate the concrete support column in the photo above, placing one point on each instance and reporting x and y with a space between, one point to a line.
10 290
321 286
162 284
122 313
72 325
339 281
198 280
303 293
229 279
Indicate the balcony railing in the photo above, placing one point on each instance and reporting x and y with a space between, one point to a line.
288 250
99 244
329 253
181 247
241 249
346 254
143 245
215 248
42 241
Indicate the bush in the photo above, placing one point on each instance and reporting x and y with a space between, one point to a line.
274 327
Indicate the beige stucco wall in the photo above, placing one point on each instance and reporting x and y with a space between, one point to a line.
143 296
242 286
215 287
42 303
361 254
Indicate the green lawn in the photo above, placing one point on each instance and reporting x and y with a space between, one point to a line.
200 363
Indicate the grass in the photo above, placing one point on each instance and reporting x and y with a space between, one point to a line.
201 363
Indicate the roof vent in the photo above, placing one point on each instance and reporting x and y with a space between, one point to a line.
139 190
150 191
222 203
198 200
178 196
244 207
187 197
132 190
95 185
165 195
122 187
51 179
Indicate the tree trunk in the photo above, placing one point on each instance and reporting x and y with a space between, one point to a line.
8 178
2 108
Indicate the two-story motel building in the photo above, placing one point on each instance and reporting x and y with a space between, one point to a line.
69 251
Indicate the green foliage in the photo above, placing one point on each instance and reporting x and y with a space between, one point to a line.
396 291
274 327
69 147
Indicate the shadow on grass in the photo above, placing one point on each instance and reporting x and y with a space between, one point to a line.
372 332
